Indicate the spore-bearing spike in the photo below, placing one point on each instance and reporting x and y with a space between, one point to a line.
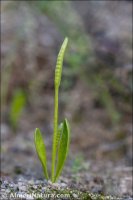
58 70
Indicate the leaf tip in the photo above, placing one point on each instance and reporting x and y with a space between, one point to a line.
37 129
66 39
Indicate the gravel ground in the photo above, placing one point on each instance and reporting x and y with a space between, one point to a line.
83 184
21 174
41 189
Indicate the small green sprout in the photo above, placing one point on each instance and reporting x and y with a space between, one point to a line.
17 106
61 134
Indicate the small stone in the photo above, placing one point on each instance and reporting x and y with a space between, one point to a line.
8 190
35 186
56 185
31 182
2 190
3 187
31 198
49 182
19 194
11 185
5 132
20 184
43 189
63 184
20 180
38 182
5 183
75 195
23 188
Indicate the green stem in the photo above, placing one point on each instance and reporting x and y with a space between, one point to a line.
55 132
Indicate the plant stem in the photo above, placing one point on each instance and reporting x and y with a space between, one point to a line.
55 132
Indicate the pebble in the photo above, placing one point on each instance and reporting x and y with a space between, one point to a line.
11 185
2 187
31 182
75 195
16 187
20 184
20 179
8 190
63 184
38 181
2 190
44 189
23 188
35 186
5 132
5 183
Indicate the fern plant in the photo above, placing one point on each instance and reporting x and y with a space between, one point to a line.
61 135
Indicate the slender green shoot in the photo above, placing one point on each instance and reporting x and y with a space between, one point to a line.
61 135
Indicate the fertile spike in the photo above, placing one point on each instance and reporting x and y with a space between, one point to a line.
58 70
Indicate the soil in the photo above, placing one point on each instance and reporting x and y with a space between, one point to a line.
21 173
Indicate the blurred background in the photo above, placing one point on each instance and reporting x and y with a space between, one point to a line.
96 88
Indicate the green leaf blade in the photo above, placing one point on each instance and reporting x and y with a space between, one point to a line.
17 106
62 149
41 150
